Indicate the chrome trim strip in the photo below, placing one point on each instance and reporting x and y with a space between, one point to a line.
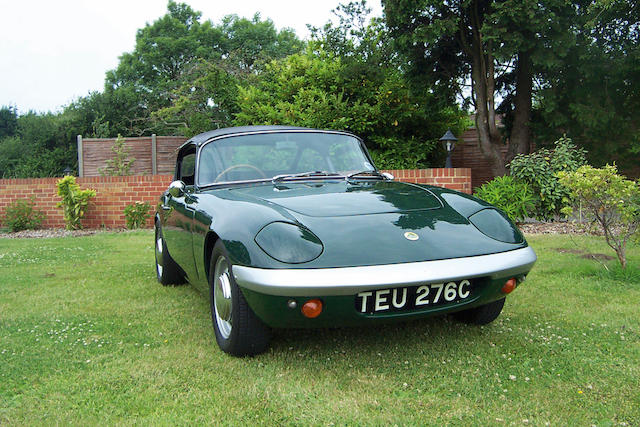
291 130
351 280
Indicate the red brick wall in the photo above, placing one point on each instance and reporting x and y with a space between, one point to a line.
456 179
96 152
114 193
106 209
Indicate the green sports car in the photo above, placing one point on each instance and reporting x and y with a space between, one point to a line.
292 227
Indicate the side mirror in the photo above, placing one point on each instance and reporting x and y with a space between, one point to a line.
388 176
176 189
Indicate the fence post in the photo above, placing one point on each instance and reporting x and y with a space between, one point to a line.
80 157
154 153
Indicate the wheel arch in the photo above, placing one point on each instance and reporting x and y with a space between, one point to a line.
209 242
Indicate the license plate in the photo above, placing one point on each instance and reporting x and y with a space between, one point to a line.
413 297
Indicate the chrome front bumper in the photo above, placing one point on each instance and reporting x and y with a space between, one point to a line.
351 280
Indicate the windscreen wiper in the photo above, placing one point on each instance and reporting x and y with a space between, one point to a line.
366 173
283 177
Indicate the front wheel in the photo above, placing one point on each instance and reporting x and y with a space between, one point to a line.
167 271
238 330
481 315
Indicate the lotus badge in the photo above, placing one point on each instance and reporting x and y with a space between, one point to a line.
410 235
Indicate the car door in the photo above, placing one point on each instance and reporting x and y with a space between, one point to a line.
178 224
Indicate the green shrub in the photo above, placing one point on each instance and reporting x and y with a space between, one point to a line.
514 197
22 215
609 200
539 171
136 214
74 201
406 154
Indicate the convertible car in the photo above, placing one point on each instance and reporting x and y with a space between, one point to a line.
291 227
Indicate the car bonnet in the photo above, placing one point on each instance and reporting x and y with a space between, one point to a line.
333 198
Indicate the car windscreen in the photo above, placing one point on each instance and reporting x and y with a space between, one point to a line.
267 155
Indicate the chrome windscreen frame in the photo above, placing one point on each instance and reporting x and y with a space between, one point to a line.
255 181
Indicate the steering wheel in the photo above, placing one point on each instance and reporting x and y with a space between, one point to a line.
242 165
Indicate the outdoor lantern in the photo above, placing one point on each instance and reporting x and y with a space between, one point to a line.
449 144
67 171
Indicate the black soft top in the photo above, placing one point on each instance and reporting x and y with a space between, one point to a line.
206 136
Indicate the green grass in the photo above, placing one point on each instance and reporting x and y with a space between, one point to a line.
88 336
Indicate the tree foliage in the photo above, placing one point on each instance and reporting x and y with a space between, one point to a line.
163 84
39 145
163 52
349 79
556 67
592 95
8 121
496 45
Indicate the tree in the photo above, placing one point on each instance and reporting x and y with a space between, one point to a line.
161 86
349 79
164 51
107 114
10 146
313 90
43 145
250 44
206 95
182 76
409 119
206 100
592 95
8 121
609 200
496 45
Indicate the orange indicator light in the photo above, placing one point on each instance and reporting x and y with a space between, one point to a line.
312 308
509 286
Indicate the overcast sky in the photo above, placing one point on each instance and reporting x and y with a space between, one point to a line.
53 51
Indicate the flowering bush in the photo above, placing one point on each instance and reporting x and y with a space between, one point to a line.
21 215
136 214
610 201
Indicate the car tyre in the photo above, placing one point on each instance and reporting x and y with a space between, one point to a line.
481 315
239 332
167 271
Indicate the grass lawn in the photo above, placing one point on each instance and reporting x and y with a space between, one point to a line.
88 336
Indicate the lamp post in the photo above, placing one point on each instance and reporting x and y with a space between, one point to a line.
67 171
448 141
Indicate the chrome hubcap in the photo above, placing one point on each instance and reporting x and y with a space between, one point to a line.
159 255
222 297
